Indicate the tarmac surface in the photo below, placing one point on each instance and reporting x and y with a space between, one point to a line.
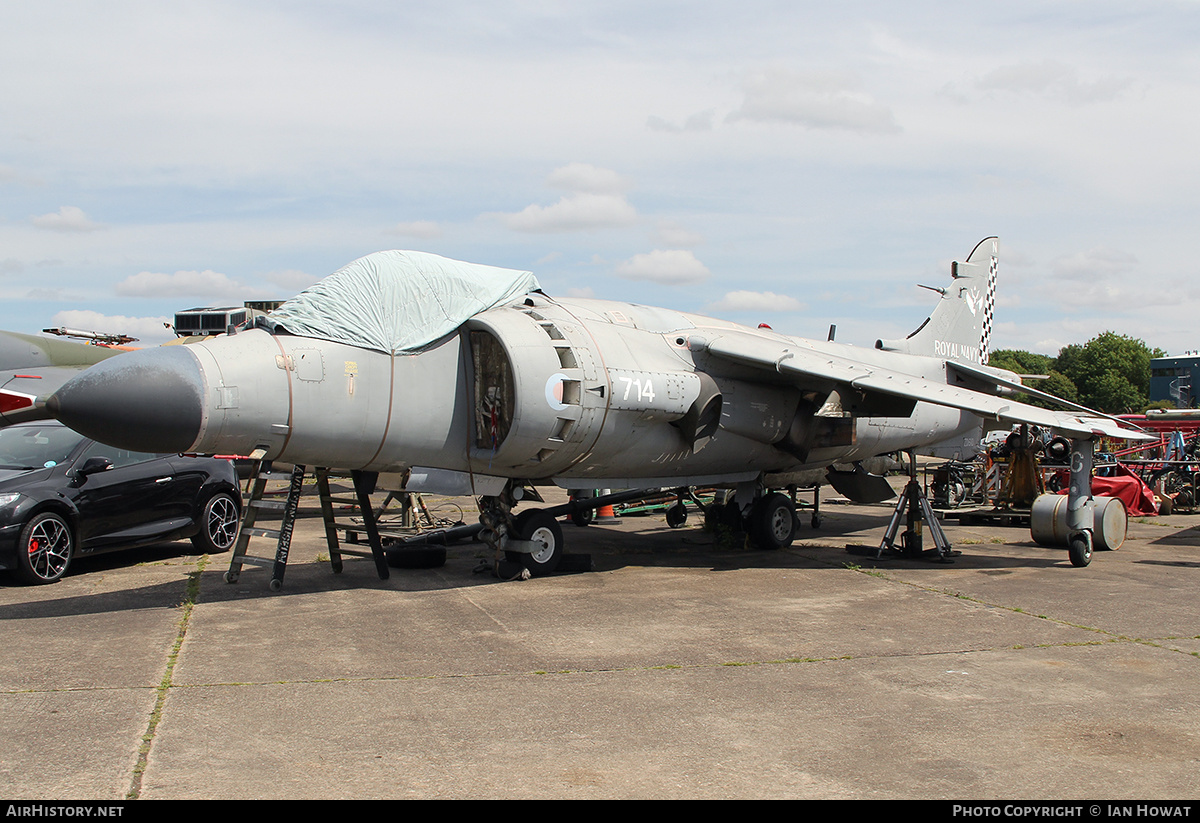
681 666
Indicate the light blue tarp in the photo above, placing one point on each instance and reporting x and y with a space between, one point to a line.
398 301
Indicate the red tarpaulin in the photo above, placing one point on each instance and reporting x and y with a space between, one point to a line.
1128 488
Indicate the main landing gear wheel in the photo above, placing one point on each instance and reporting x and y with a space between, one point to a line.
45 549
773 522
541 528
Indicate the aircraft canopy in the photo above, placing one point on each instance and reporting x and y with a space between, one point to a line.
397 301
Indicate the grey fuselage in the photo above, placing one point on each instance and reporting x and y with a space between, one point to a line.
586 393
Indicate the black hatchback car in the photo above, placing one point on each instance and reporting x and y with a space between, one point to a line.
63 496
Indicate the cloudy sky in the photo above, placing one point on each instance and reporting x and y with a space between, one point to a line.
795 163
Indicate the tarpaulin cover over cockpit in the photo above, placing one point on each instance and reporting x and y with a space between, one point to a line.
397 301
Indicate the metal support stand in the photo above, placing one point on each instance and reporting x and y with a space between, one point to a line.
794 493
914 506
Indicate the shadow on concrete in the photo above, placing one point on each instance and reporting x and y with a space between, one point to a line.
633 541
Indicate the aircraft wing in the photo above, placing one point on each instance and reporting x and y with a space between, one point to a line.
804 364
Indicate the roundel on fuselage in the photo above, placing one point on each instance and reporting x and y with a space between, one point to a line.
554 391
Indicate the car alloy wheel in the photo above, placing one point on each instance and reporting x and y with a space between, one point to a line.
219 524
46 548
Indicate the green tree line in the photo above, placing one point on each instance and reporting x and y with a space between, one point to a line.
1109 373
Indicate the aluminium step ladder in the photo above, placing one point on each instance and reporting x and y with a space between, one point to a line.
256 503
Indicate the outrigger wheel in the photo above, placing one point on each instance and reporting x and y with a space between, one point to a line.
1080 548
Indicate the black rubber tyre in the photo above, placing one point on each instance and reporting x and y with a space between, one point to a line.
773 522
1080 550
219 521
1183 500
541 528
677 516
417 557
582 517
45 549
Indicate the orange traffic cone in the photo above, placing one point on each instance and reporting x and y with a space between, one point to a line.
606 514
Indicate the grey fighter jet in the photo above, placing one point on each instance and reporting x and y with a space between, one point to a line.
473 381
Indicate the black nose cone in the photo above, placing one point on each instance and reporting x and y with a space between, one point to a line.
151 400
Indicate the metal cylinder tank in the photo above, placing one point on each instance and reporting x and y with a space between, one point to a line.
1048 521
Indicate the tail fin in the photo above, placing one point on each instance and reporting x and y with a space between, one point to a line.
960 325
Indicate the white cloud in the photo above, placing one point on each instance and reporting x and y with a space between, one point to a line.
1109 282
8 174
68 219
698 122
584 177
758 301
576 212
670 233
207 283
291 281
1052 79
671 267
813 99
1088 266
596 202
